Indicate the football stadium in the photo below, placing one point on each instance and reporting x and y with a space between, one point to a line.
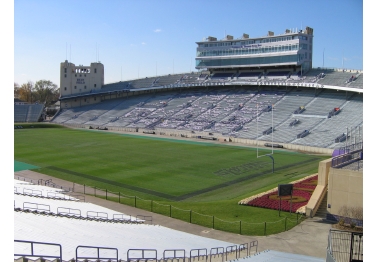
224 163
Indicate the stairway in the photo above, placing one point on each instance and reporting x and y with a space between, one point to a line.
321 211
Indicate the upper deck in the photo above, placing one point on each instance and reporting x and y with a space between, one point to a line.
292 48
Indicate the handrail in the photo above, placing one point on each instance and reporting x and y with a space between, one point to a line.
98 257
68 212
35 206
32 243
94 214
32 192
198 253
230 249
219 251
175 256
142 251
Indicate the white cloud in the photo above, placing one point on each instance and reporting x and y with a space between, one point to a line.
143 43
157 30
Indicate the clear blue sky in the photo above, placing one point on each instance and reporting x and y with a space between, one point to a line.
148 37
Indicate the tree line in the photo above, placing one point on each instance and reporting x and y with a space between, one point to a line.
42 92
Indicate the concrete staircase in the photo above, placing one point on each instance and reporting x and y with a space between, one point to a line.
321 211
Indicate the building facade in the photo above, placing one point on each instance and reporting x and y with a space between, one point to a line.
75 80
292 49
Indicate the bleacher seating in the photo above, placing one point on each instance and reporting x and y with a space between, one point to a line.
278 74
224 76
303 134
28 112
229 111
335 78
81 226
358 82
249 75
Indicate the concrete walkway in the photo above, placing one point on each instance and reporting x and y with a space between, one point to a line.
309 238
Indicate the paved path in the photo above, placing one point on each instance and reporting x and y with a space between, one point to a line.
309 238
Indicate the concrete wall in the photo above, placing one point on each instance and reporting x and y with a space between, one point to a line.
321 188
345 187
301 148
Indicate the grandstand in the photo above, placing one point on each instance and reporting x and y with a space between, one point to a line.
228 112
27 112
236 81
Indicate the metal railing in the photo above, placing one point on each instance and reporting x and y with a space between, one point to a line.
33 253
345 246
111 254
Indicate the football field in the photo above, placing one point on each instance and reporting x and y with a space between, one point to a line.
157 168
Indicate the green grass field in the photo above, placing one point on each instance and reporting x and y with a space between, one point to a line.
207 178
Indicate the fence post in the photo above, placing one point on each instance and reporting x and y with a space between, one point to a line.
297 218
106 193
170 210
151 205
190 216
119 197
95 191
213 222
240 227
264 228
135 204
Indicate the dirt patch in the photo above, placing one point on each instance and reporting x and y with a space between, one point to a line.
346 227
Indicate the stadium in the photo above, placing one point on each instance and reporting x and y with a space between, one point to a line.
255 115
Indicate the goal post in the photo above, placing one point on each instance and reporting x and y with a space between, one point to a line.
258 114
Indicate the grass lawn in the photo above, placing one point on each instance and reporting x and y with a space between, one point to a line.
203 179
